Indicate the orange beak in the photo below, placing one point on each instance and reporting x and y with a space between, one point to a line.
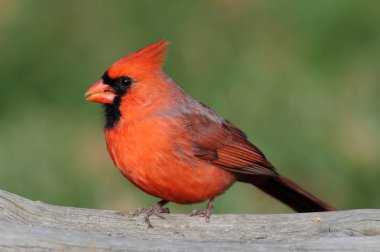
100 92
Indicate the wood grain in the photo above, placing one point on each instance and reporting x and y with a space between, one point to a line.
27 225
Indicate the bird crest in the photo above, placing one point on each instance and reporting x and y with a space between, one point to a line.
147 59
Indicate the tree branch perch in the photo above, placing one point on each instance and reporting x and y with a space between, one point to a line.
33 225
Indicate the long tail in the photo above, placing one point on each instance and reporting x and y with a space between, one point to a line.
290 194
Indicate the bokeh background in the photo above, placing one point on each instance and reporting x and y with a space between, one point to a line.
301 78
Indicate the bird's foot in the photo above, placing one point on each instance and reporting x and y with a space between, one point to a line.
207 212
156 210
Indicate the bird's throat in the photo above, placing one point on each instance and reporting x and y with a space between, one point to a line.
112 113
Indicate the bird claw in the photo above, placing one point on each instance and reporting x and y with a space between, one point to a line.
202 213
207 212
139 211
156 210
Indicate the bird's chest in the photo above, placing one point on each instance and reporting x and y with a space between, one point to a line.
157 157
138 146
147 153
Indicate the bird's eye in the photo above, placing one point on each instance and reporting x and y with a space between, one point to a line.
125 81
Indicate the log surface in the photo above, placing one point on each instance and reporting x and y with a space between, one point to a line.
35 226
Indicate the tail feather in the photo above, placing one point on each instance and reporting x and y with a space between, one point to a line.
290 194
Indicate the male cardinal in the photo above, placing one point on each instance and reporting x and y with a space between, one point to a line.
175 148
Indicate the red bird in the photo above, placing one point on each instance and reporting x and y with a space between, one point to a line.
175 148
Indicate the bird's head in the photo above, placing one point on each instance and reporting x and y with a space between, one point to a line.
133 79
138 67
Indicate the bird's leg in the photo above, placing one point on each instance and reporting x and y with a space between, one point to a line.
206 212
156 209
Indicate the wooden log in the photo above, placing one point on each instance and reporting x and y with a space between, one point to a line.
35 226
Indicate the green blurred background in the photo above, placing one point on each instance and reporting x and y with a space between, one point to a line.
301 78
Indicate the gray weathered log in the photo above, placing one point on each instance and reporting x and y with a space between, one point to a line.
34 226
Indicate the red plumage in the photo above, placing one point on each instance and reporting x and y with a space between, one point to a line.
174 147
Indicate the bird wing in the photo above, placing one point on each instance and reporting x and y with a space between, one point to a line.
224 145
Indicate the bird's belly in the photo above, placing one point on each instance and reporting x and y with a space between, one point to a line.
166 169
180 183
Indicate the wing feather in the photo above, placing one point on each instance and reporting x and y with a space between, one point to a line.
226 146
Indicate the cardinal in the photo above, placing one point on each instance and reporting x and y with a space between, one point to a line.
176 148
